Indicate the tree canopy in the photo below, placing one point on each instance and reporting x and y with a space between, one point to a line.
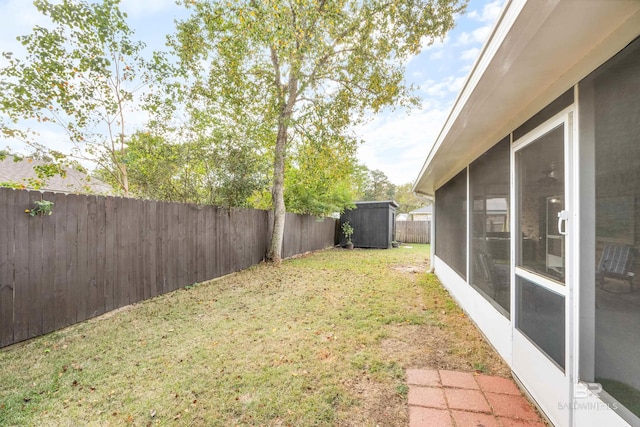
81 74
303 67
378 186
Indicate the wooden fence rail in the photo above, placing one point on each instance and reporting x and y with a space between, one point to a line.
95 254
413 231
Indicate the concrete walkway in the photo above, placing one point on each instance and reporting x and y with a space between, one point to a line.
463 399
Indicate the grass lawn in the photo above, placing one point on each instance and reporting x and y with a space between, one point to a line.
323 339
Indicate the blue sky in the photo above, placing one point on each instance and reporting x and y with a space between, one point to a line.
395 142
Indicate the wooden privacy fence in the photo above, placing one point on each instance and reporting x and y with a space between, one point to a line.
95 254
413 231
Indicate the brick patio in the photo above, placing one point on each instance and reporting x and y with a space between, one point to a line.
464 399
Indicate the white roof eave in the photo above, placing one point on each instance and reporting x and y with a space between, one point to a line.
537 50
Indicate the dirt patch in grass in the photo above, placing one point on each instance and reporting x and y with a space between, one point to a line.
322 339
413 269
433 347
379 404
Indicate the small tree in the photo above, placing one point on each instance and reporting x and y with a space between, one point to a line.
407 201
347 230
80 75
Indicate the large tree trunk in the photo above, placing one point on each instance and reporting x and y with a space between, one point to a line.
277 192
277 196
125 180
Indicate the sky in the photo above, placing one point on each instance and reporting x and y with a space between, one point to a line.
395 142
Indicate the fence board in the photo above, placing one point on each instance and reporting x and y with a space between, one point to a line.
82 282
110 263
6 267
92 258
60 249
192 243
150 250
161 248
34 283
171 256
48 268
21 274
223 235
95 254
120 291
135 280
204 251
137 229
236 224
136 288
211 251
180 253
71 233
101 254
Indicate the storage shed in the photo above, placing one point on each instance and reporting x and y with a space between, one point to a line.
374 224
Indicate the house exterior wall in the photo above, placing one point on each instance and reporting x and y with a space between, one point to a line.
616 123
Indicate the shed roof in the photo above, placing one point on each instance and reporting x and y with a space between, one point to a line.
378 202
536 51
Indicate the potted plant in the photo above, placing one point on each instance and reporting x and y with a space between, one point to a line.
395 244
347 230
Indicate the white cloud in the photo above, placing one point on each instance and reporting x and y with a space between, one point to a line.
489 13
398 143
479 35
445 88
470 54
439 54
17 18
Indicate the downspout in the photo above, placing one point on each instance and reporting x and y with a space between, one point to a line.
432 246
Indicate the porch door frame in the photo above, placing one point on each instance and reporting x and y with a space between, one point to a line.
548 385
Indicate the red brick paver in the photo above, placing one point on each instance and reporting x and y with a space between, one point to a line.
498 385
464 399
464 418
423 377
459 380
420 417
430 397
510 422
517 407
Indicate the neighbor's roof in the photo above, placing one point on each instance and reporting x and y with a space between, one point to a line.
74 182
536 51
422 210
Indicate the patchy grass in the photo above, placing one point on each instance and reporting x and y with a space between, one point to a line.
319 340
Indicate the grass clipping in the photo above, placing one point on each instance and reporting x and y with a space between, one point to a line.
319 340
